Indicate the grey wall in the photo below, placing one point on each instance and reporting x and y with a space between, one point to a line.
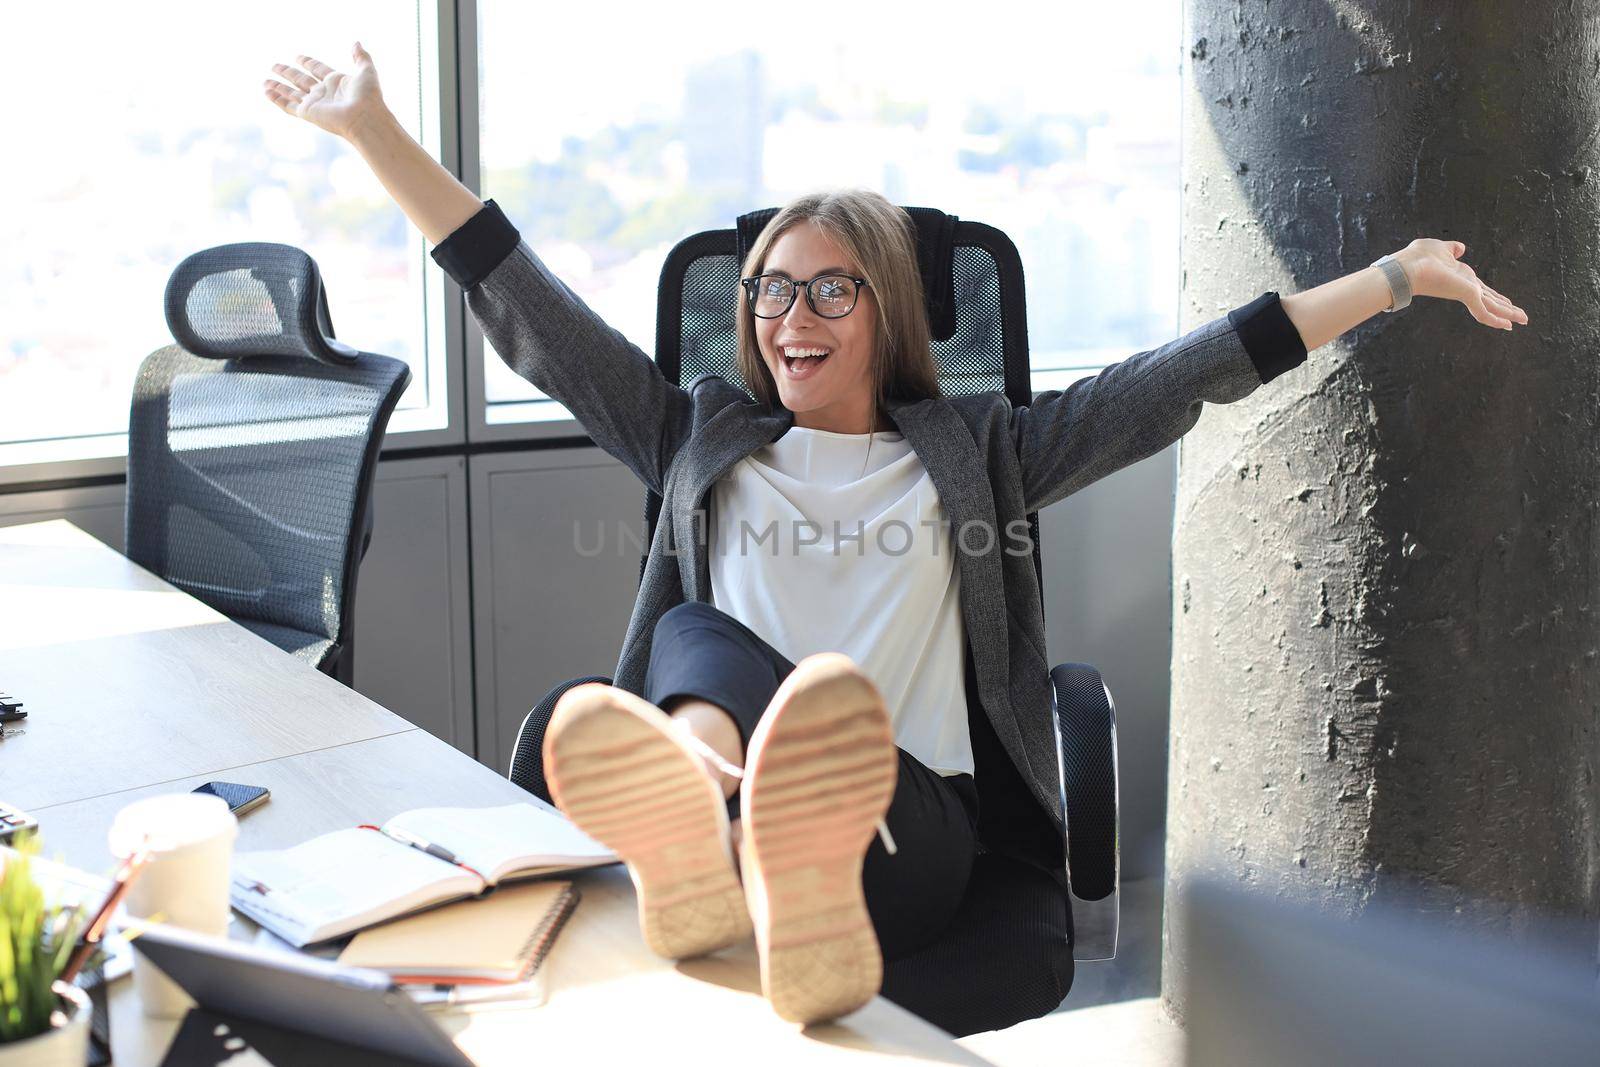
519 530
413 622
546 610
97 510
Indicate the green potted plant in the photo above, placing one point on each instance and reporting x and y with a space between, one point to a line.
44 1022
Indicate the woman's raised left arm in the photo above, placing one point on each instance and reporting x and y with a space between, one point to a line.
1069 438
1433 267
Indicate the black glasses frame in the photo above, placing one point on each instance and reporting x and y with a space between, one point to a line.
795 285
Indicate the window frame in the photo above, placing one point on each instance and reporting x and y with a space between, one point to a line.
480 427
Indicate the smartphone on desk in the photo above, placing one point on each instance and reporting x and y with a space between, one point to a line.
240 798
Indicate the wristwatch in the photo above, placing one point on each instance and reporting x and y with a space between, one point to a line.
1399 284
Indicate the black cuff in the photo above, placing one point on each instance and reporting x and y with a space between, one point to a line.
1269 337
477 246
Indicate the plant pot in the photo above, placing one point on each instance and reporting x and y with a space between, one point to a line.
65 1044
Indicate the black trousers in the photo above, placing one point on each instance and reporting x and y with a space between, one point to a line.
700 651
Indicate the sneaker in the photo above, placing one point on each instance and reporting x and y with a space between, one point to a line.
628 779
819 775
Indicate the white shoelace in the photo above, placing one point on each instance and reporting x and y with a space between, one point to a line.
713 757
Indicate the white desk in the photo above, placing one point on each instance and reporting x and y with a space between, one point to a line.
135 688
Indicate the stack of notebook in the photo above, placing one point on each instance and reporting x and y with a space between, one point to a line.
491 947
348 880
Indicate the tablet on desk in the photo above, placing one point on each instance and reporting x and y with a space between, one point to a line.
349 1005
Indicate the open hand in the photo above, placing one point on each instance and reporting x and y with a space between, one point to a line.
1435 269
327 98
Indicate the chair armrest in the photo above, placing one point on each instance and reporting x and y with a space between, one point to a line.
527 759
1086 719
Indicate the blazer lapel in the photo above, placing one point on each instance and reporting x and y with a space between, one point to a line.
947 450
727 437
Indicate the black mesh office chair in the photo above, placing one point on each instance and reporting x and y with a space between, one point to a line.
1009 953
252 445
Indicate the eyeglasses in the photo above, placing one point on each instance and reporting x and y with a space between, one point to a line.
833 296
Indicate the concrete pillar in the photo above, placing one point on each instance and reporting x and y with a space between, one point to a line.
1386 604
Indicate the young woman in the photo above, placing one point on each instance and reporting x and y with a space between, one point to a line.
837 566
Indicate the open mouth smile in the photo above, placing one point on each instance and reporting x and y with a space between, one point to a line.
802 361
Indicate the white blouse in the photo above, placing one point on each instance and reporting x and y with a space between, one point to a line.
821 543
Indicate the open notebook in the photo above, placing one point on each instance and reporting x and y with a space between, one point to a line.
351 879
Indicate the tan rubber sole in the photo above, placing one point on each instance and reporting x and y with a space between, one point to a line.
819 776
623 776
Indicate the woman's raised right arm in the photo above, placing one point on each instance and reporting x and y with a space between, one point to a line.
542 329
351 106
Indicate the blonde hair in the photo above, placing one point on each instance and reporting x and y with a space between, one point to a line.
881 239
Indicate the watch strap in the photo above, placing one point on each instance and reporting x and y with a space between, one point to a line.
1399 284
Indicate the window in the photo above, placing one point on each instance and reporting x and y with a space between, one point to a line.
150 139
606 155
605 148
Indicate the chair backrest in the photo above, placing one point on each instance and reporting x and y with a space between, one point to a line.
253 441
972 279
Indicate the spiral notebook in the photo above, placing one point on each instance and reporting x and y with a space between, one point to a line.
502 937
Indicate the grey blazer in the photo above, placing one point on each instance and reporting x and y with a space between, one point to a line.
991 463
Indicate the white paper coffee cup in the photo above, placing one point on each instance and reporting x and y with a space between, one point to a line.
185 883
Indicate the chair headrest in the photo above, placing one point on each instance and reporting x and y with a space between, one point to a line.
253 298
935 251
